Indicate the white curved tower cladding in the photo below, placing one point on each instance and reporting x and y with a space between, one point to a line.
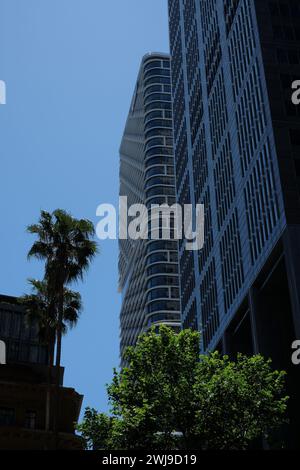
148 269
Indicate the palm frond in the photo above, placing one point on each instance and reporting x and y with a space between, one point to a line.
39 250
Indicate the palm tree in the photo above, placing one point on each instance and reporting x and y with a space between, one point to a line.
41 311
65 245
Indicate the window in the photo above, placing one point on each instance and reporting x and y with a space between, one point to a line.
152 123
297 167
162 317
30 419
153 64
159 160
161 245
293 57
153 115
174 292
157 97
282 56
159 180
159 190
158 257
7 416
295 136
160 305
163 80
154 88
158 170
158 294
162 269
162 281
154 142
158 132
158 105
153 72
284 10
159 151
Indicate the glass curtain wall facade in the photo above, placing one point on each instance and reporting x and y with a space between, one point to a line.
237 151
148 269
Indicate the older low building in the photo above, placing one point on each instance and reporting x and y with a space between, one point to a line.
27 389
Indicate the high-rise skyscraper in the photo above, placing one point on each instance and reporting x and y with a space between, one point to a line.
237 151
148 268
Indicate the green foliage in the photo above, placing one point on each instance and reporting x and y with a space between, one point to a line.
95 429
171 397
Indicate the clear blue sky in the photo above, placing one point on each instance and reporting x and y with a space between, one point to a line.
70 68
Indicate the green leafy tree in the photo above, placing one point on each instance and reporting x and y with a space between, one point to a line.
171 397
96 429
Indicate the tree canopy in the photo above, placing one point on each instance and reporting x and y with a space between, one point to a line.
171 397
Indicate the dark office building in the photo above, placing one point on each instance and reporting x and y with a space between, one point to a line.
27 389
148 268
237 151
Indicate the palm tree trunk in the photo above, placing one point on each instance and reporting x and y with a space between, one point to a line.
49 377
58 345
57 364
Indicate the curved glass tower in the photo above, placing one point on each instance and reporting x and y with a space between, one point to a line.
148 269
